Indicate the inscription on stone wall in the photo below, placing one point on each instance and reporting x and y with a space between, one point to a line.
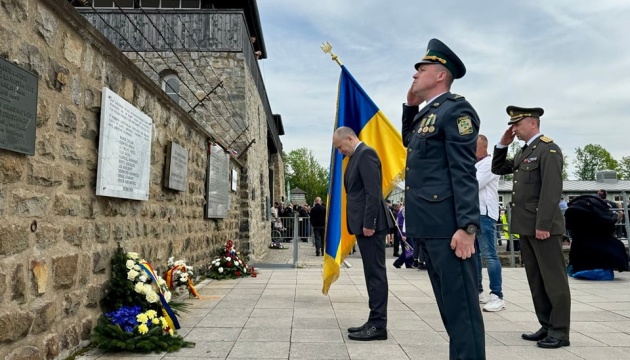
18 108
124 150
218 184
176 167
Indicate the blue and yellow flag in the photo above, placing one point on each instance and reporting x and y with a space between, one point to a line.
356 110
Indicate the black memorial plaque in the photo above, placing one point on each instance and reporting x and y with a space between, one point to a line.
18 108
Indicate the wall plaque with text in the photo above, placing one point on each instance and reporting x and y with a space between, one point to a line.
124 149
18 108
176 170
218 183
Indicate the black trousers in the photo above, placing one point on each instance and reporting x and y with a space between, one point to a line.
547 277
397 243
455 286
373 256
318 232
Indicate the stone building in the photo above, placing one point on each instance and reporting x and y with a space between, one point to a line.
56 235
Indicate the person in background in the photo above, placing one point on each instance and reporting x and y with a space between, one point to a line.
318 220
400 227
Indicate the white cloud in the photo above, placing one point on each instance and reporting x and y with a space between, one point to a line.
565 56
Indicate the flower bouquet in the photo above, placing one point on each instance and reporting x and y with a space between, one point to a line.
276 245
228 265
138 311
179 274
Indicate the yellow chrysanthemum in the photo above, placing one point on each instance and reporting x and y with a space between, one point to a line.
164 322
151 314
171 332
155 321
143 329
142 318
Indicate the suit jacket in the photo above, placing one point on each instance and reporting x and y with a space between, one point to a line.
365 206
537 186
442 192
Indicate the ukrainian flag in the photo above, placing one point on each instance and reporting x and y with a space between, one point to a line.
356 110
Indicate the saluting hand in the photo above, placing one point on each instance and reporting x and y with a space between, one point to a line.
412 99
463 244
508 137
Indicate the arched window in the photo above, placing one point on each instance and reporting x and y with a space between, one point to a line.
170 85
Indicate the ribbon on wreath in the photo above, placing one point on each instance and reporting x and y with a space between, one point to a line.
168 313
169 281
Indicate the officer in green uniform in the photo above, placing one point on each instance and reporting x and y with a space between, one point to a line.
537 218
442 193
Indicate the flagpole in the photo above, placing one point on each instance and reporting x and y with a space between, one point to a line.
327 48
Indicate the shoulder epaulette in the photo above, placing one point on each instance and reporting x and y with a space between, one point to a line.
458 97
546 139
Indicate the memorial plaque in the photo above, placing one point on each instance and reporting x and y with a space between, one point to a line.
234 180
176 170
18 108
124 149
218 183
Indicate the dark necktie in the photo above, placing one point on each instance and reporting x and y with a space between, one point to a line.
524 148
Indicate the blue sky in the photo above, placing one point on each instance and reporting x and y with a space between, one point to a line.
566 56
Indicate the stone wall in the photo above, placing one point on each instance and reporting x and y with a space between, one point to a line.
53 274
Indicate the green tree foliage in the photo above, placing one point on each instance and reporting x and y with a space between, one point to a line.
304 172
624 167
591 159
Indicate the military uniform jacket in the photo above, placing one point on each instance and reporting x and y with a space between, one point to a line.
441 193
537 186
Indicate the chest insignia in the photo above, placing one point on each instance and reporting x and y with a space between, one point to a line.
530 160
464 125
431 120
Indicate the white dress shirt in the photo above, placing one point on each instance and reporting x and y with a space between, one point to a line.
488 188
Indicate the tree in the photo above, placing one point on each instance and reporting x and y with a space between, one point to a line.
304 172
592 159
624 167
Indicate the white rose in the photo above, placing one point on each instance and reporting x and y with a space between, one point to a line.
183 279
152 297
136 267
228 259
130 264
139 288
236 263
142 278
167 296
132 255
131 275
170 261
161 281
220 270
245 269
147 288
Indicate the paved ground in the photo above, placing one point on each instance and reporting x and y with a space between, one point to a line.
281 314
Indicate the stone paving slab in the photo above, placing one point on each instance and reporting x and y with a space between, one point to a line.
281 314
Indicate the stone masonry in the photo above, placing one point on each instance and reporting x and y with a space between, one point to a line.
56 235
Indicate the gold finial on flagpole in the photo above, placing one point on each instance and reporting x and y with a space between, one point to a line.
327 48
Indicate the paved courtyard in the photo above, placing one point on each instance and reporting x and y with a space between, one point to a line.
281 314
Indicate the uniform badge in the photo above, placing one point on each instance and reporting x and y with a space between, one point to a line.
464 125
425 129
424 121
431 128
431 119
530 160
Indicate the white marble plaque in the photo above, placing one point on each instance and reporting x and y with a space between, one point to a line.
176 167
234 180
124 149
218 183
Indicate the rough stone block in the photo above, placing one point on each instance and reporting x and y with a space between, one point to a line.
24 353
92 99
67 205
46 25
76 90
47 235
102 232
43 114
69 153
113 79
30 204
3 285
44 174
51 347
48 147
65 271
78 234
77 180
2 202
14 239
86 329
45 315
69 338
40 275
57 76
30 58
100 261
71 303
66 120
18 282
93 296
11 169
16 9
15 325
73 50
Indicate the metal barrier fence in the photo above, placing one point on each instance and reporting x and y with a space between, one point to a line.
293 230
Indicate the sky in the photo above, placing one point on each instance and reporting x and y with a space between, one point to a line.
565 56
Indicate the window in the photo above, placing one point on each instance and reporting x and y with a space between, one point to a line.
170 85
170 4
110 3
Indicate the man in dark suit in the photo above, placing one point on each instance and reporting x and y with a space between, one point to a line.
537 218
442 194
366 218
318 220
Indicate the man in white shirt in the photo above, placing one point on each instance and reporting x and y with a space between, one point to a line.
489 209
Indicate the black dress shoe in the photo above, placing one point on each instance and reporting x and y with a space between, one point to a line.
422 266
537 336
396 254
368 334
551 342
357 329
416 263
396 266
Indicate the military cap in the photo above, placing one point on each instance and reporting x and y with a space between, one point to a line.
519 113
439 53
